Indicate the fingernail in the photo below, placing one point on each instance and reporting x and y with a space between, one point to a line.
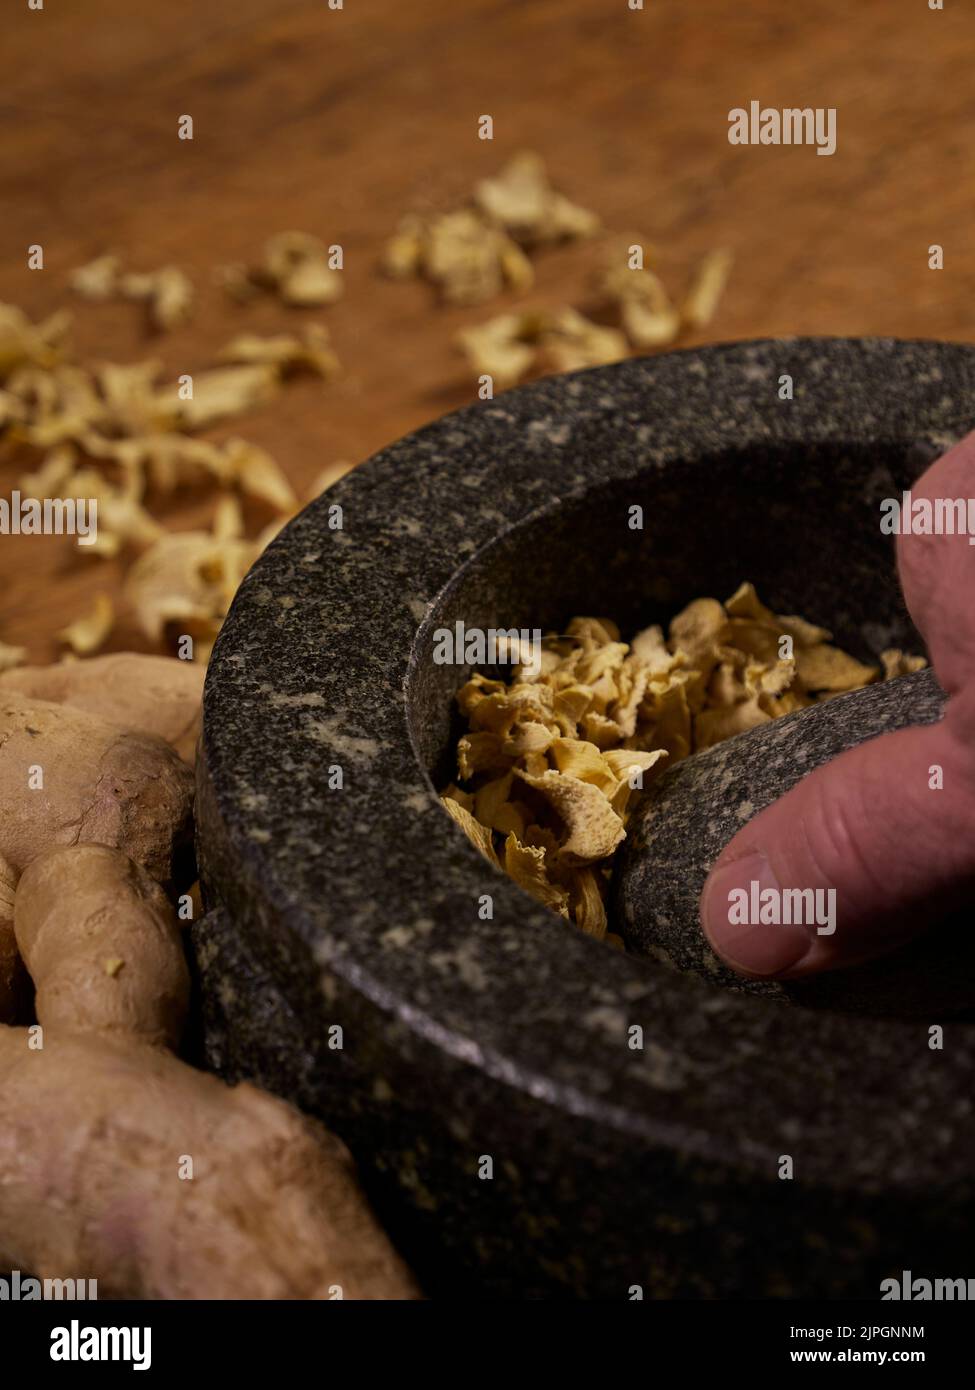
743 942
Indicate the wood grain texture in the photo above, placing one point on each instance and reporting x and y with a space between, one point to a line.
336 122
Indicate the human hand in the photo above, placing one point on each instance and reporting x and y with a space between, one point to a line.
889 825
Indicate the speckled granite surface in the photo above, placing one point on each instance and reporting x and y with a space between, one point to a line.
678 830
356 908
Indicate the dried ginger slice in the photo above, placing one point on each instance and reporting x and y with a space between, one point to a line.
570 342
755 639
509 346
53 405
131 397
898 663
706 288
526 864
403 253
593 827
97 279
633 679
11 656
586 899
454 793
827 668
188 578
668 717
699 629
50 477
521 199
786 703
618 709
122 519
593 632
481 751
25 343
526 737
259 475
228 520
651 650
603 732
167 292
577 758
87 633
713 726
490 801
626 763
769 680
571 704
647 314
599 661
745 603
479 836
476 689
503 348
726 686
471 261
288 352
499 712
217 394
295 266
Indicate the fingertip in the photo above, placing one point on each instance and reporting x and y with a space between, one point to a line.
742 919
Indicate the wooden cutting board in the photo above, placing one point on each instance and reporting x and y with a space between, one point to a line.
338 121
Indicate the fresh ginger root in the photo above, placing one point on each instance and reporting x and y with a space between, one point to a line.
147 694
102 944
100 1130
67 777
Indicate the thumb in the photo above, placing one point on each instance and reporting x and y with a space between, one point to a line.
882 835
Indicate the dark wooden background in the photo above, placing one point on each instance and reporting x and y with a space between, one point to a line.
336 122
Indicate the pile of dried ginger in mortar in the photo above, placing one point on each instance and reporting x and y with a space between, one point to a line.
550 761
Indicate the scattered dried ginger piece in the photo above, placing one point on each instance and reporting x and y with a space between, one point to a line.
295 266
473 253
167 292
97 279
288 352
27 344
465 257
87 633
503 348
110 431
522 200
569 342
219 393
258 475
648 315
326 478
11 656
185 582
706 288
508 347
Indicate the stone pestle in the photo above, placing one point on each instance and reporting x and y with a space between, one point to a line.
677 831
